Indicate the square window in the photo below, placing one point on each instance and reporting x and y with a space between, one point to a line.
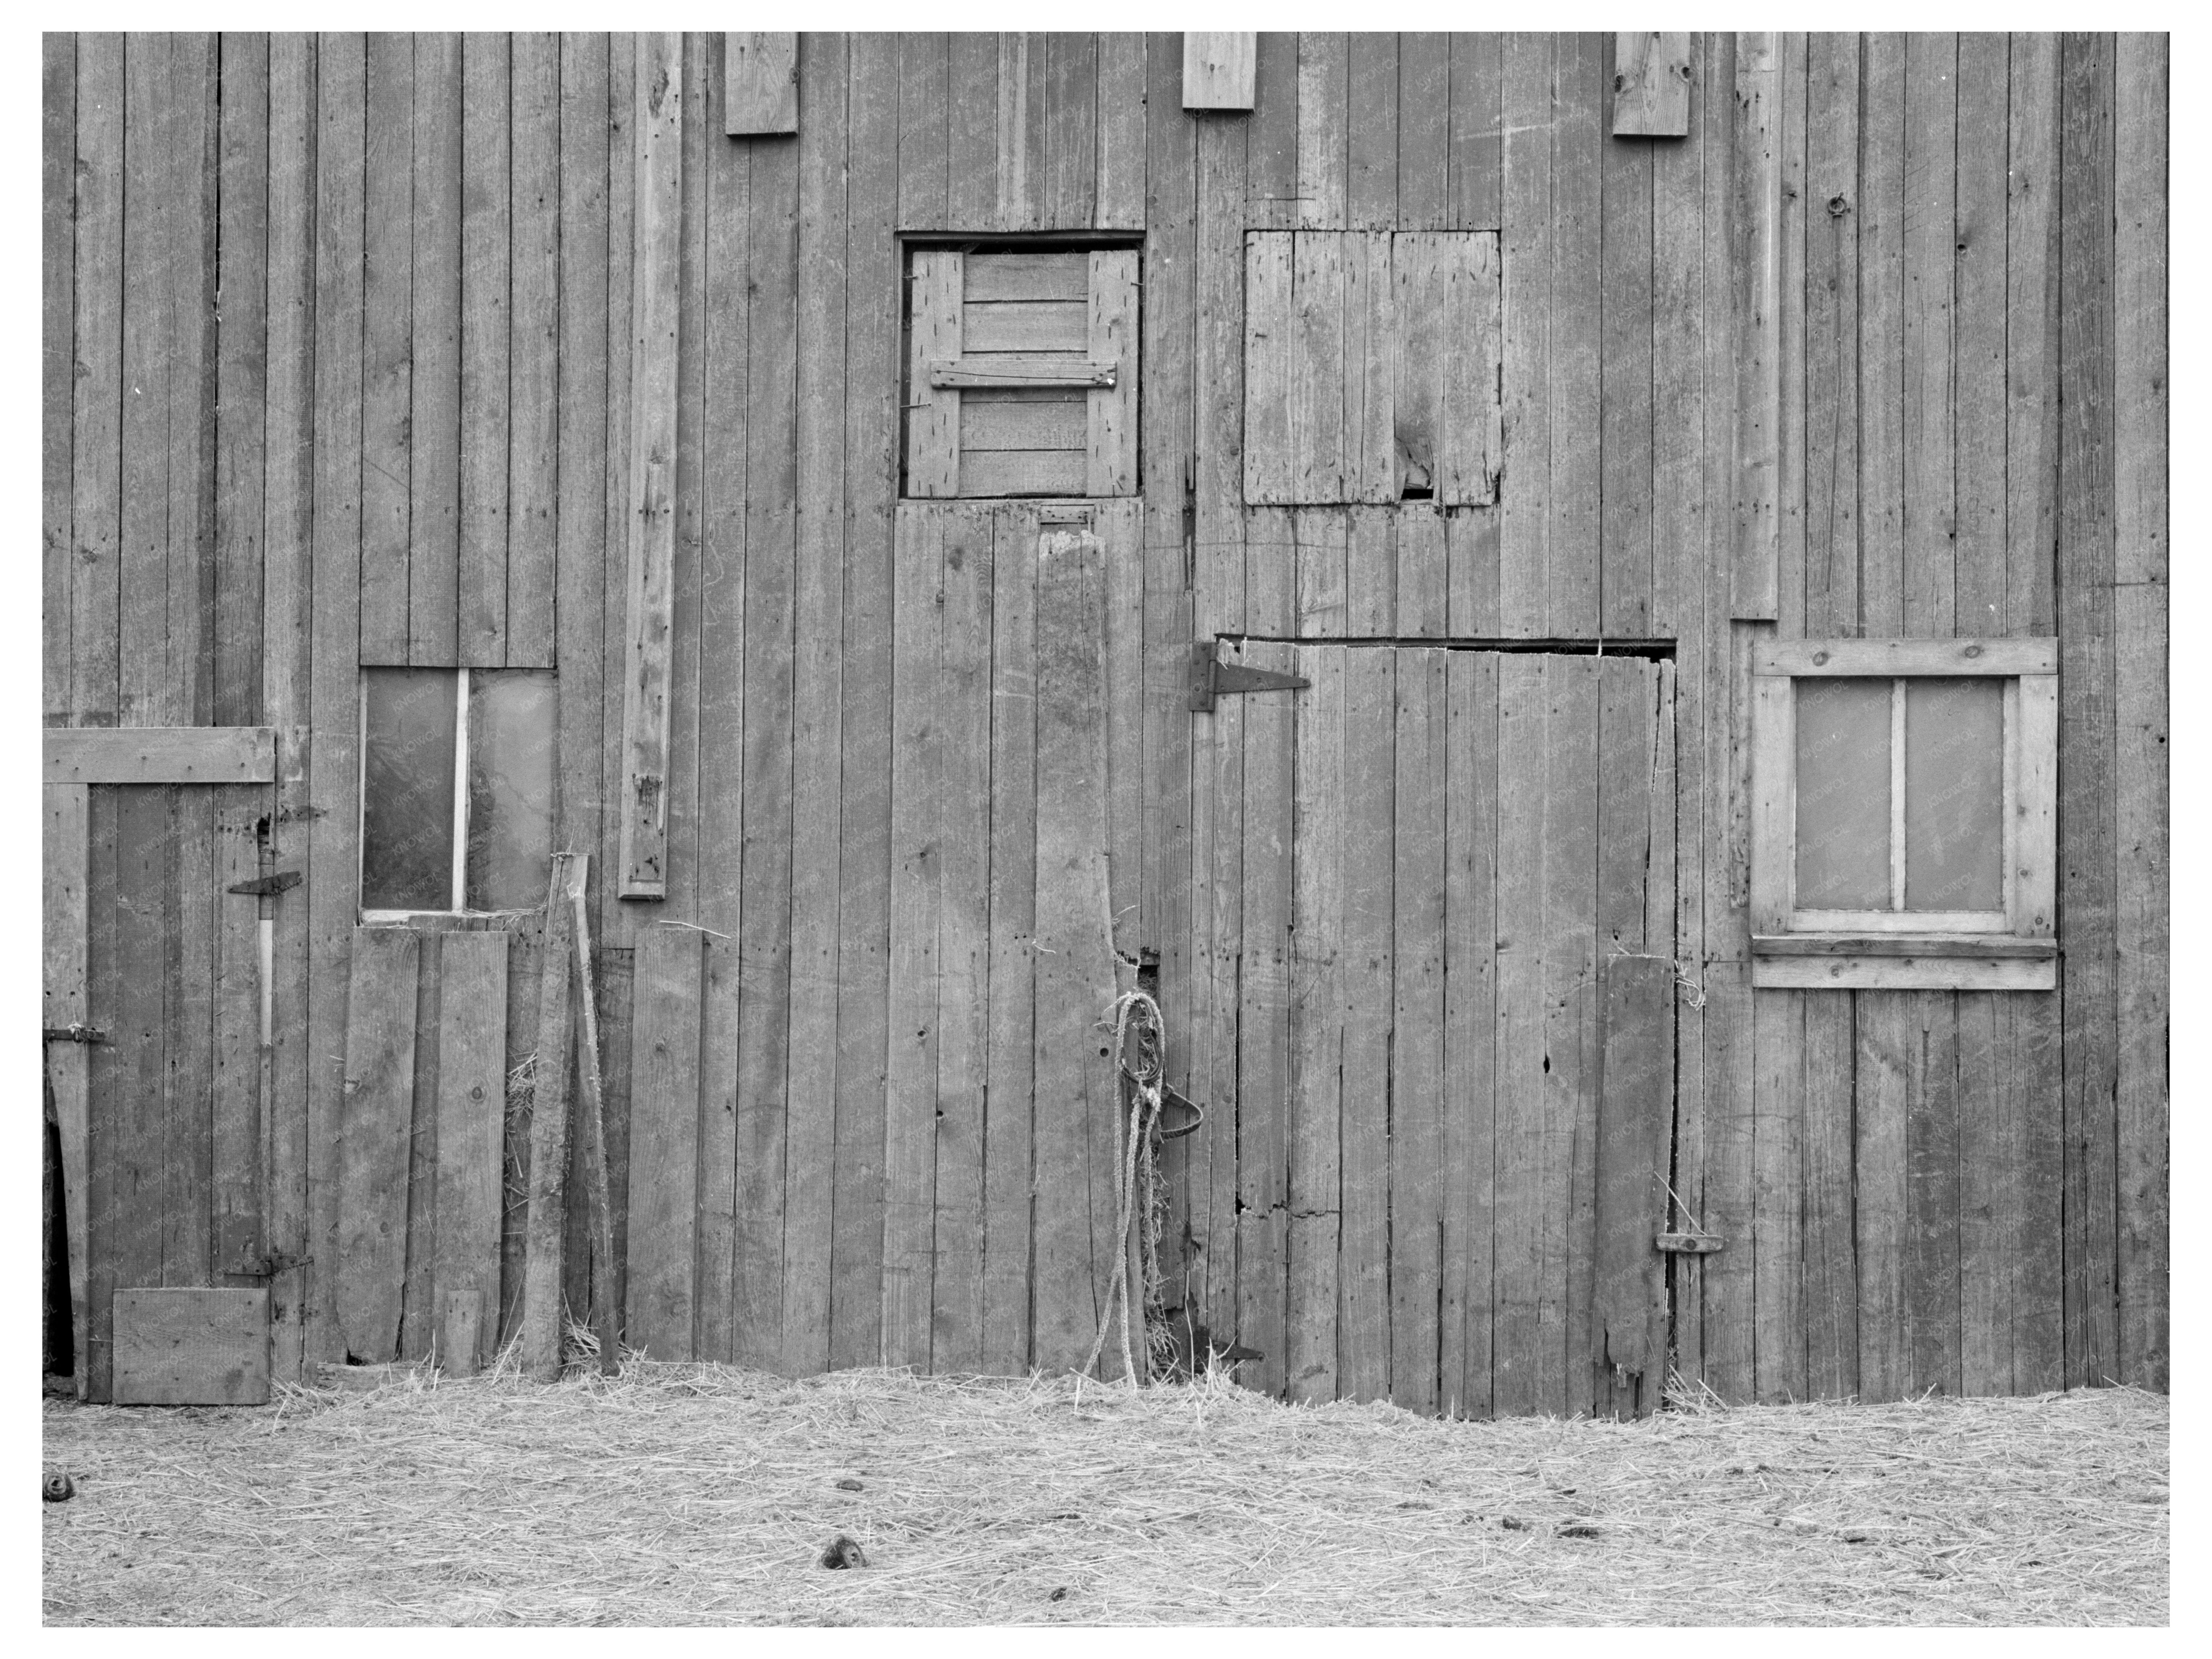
457 790
1904 813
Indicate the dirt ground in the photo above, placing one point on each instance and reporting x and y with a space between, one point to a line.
707 1495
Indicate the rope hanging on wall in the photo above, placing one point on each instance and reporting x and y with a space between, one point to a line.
1135 1017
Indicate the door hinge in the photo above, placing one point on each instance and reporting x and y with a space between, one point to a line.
78 1032
262 886
1211 677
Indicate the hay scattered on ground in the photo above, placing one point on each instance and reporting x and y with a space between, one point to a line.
701 1494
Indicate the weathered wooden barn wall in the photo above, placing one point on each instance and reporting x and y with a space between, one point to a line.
338 367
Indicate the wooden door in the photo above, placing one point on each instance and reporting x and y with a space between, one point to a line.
174 1148
1419 868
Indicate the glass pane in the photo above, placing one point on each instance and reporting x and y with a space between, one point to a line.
1954 794
407 809
510 787
1843 794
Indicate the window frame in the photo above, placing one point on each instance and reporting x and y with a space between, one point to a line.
2015 948
458 889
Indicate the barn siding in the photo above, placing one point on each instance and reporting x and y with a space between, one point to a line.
386 417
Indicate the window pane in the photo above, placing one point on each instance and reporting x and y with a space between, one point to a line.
1954 794
1843 794
511 721
407 810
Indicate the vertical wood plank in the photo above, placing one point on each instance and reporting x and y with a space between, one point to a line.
1677 337
616 922
1473 179
1526 250
372 1141
1983 484
972 133
2141 80
1121 133
1887 1035
472 1104
1319 862
760 82
933 416
1931 121
1881 336
1418 1078
663 1142
333 778
1324 128
816 686
188 1013
659 129
1777 1241
1221 793
1369 475
532 467
58 212
149 354
2032 334
1830 1241
420 1305
238 1172
1218 376
1634 1102
1022 101
95 435
1373 137
1369 607
2088 894
1522 687
189 281
1931 1198
439 210
1420 274
1471 441
1831 353
1650 85
917 761
1989 1184
1422 154
387 348
1273 141
487 134
1573 396
241 372
106 1077
541 1336
1010 1056
924 69
1625 366
1757 274
1071 130
871 325
1573 803
65 851
1270 355
1110 447
1217 70
1320 560
1470 948
1074 1093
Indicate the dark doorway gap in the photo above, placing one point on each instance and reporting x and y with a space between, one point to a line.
1650 650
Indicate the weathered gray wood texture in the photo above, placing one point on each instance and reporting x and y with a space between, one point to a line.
411 433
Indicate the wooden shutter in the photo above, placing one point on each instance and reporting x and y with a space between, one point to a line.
1023 375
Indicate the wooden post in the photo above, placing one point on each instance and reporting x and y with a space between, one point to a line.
548 1142
1628 1347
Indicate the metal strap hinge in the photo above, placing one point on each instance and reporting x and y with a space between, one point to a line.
1211 677
78 1032
261 886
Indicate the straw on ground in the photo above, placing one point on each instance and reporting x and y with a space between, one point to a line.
703 1494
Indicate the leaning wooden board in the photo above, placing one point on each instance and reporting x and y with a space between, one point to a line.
177 1346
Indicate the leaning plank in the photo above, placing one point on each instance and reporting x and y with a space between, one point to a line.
191 1347
760 83
663 1141
652 487
375 1123
1636 1097
1217 70
66 850
606 1299
1650 85
472 1110
542 1315
161 754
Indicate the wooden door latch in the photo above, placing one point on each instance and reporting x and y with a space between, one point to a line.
1689 1243
1211 677
76 1032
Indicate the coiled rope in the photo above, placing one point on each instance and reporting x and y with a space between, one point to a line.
1133 1014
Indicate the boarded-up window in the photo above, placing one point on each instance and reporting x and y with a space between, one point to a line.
457 788
1370 366
1022 374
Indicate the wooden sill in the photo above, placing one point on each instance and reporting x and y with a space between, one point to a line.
1993 946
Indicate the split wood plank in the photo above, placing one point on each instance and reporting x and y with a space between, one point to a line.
1635 1105
1569 1056
1219 70
1678 344
534 457
487 134
1320 570
434 561
1010 1056
167 754
1470 1028
241 372
1023 108
471 1115
543 1318
1828 1235
421 1308
1369 368
659 134
917 761
1320 858
1075 1095
760 84
1370 564
1887 1035
663 1142
387 299
1651 85
1418 1078
1931 1310
374 1137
